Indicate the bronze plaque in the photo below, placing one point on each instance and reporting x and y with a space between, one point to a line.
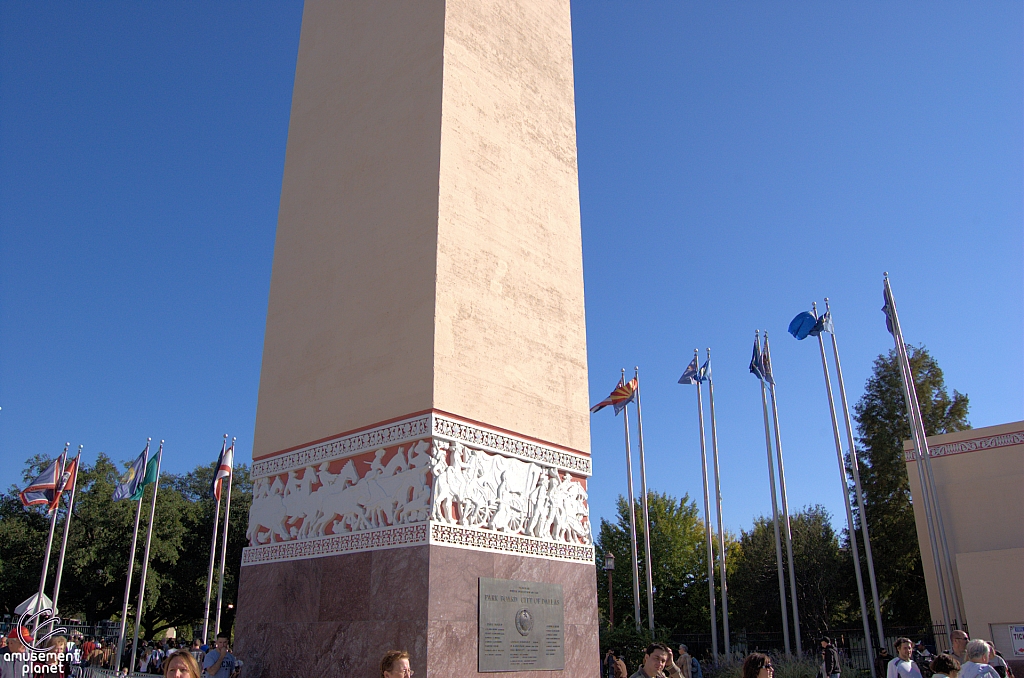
520 627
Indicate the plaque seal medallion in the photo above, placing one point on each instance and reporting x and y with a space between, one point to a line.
524 622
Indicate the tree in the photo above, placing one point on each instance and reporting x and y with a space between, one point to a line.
823 573
882 427
678 564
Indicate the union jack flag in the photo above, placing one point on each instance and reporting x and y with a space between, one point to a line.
224 465
623 393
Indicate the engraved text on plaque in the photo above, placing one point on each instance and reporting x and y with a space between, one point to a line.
521 626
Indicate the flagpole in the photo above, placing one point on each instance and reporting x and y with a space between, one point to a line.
49 541
718 509
67 528
920 438
213 554
785 506
846 498
128 582
632 514
224 548
775 508
707 522
856 483
647 518
145 555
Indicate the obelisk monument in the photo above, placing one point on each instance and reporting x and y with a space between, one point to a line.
422 441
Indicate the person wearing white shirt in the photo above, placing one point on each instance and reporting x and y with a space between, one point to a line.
902 666
976 665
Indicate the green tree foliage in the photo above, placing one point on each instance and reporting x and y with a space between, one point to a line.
101 530
679 564
881 417
823 573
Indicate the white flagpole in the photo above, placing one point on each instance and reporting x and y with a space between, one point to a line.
67 529
632 514
919 436
775 511
128 581
856 485
224 548
643 501
707 520
785 506
145 554
846 498
718 510
213 552
49 540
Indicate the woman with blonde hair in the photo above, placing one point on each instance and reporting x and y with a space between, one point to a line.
181 664
395 664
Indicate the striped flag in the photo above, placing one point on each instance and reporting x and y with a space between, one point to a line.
623 393
67 481
43 490
224 465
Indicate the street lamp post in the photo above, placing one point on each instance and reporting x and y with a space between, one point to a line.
609 567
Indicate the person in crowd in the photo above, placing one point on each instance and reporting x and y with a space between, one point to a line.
219 662
395 664
197 652
976 666
13 661
996 661
959 641
829 666
903 666
757 665
87 647
181 664
923 658
608 664
620 666
657 663
685 661
882 659
945 666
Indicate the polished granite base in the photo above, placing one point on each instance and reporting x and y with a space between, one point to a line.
338 615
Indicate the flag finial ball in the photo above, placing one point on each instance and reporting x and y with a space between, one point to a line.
885 273
149 440
161 442
826 300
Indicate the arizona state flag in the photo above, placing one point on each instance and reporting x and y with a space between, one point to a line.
224 465
622 394
67 482
43 490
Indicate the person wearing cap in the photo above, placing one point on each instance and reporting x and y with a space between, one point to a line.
14 662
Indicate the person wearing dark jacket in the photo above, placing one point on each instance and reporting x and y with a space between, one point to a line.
829 667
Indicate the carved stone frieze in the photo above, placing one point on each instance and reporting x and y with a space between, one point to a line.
345 496
987 443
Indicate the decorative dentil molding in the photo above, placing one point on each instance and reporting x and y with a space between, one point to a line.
987 443
468 487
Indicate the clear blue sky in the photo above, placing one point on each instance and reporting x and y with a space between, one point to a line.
737 161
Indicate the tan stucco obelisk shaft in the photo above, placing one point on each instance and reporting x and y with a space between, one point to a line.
428 249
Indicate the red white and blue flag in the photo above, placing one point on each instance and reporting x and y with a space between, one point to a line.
43 490
622 394
224 465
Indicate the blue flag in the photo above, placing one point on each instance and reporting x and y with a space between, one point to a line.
802 325
705 371
806 325
132 478
887 308
756 365
691 375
